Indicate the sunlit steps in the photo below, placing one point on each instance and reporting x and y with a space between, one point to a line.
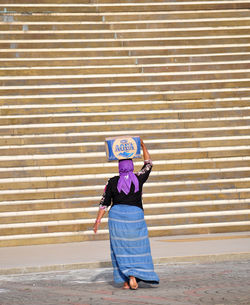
71 74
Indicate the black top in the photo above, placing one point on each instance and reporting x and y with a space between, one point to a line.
111 194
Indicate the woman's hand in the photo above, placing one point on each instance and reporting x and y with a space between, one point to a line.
96 226
146 155
99 216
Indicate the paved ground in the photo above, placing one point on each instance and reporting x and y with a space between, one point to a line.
219 283
95 254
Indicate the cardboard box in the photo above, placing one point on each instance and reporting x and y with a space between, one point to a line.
123 147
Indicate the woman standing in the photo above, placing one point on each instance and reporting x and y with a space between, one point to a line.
129 243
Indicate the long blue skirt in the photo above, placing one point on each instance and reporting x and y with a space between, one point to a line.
129 244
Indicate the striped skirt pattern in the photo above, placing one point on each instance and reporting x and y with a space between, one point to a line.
129 243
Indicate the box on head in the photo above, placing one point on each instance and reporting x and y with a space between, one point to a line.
123 147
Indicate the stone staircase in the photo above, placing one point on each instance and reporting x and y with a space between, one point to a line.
177 73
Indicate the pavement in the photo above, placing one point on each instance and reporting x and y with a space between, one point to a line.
205 248
211 269
218 283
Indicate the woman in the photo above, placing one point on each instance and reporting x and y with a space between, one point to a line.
129 243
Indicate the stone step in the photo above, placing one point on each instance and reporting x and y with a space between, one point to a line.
117 127
175 15
215 48
96 108
123 2
102 88
89 182
147 135
181 167
151 143
200 229
102 170
120 74
107 35
35 66
86 179
182 120
43 109
31 211
61 237
50 226
222 93
127 7
103 117
118 2
115 17
90 213
152 221
27 27
66 203
217 197
176 24
98 147
9 17
73 74
72 159
177 166
70 188
17 46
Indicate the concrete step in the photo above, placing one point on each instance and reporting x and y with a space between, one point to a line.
101 170
183 95
127 7
131 126
122 43
45 238
147 135
89 2
178 166
52 204
216 47
99 146
127 87
40 36
130 74
116 73
115 17
103 117
176 24
72 159
174 178
17 66
28 27
217 197
191 13
86 219
149 209
96 108
152 221
69 188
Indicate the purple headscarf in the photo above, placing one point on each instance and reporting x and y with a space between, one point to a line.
127 176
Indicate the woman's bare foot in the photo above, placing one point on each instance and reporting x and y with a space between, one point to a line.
133 283
126 285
